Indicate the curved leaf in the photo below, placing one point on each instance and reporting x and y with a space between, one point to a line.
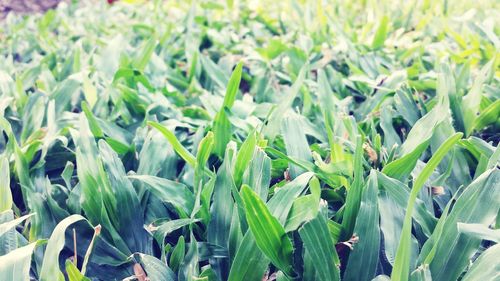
270 236
50 267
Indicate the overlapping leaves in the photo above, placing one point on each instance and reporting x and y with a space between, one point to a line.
214 141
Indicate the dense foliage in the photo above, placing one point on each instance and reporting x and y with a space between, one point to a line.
251 140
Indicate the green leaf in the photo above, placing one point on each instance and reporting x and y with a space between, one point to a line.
402 263
335 230
9 241
402 167
204 150
33 116
244 156
222 127
295 142
250 263
363 260
472 100
97 196
276 116
381 278
155 269
480 231
6 226
164 229
64 93
455 249
355 192
319 244
214 72
417 139
488 116
438 231
73 273
398 193
117 146
181 150
145 53
233 86
258 173
93 123
486 267
178 253
169 191
5 193
89 91
222 209
381 33
157 157
50 266
270 236
129 221
274 48
282 201
304 208
422 273
15 265
189 267
446 85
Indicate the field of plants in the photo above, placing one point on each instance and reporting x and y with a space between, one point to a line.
251 140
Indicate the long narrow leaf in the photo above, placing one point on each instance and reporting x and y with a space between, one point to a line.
363 260
401 268
319 244
269 235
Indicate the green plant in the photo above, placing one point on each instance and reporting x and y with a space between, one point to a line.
282 140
